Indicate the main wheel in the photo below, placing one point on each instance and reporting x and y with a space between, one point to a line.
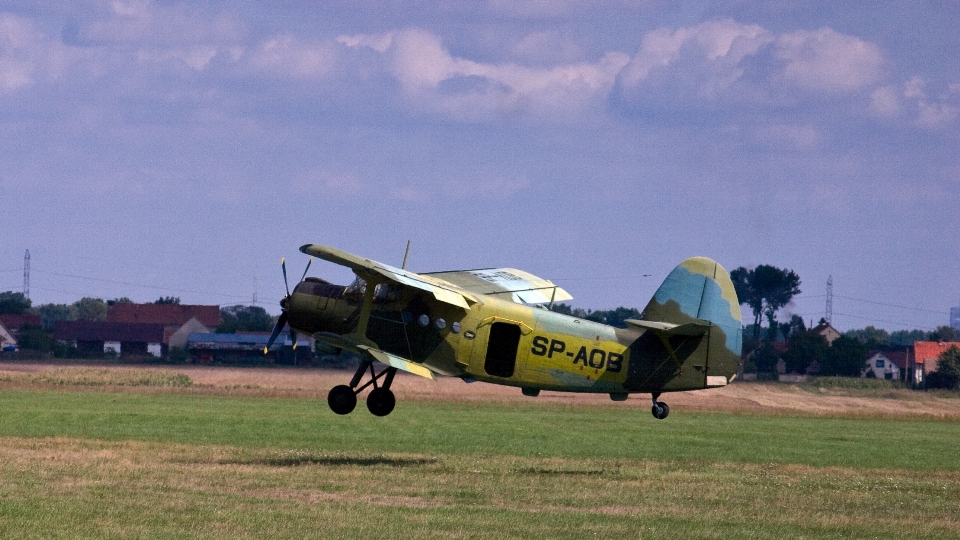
660 410
380 402
342 399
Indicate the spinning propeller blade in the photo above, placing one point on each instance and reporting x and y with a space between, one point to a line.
305 270
283 265
281 322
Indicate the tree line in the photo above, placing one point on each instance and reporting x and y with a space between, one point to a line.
233 319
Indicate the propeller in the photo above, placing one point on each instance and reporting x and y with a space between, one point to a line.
282 320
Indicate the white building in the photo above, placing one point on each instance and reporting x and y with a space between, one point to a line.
885 365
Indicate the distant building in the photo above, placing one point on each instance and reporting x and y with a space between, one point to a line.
827 331
889 365
239 348
924 358
7 342
166 314
93 338
13 323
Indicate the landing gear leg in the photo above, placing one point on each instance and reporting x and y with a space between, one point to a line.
381 401
660 409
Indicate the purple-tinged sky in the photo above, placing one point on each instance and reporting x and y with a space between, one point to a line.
181 148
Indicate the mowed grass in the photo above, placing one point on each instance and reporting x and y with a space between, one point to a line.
168 464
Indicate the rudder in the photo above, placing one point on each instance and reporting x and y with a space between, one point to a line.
697 297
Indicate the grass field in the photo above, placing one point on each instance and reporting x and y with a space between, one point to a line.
126 456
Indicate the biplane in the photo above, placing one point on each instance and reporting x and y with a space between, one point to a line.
494 325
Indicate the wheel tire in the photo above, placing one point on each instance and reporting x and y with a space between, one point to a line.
380 402
342 399
660 410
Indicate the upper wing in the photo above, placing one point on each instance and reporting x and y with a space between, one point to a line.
444 292
512 284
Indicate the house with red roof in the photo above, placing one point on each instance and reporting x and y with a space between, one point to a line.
923 361
13 322
165 314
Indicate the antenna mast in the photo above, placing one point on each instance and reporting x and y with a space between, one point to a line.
829 312
26 274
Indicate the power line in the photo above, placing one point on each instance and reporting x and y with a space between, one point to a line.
883 321
810 297
131 284
892 305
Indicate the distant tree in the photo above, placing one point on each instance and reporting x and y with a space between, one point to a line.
947 374
51 313
567 309
872 337
794 326
944 333
241 318
168 300
905 338
121 300
804 348
765 289
765 358
14 303
32 337
91 309
844 358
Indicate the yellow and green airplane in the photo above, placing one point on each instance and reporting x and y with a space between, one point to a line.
491 325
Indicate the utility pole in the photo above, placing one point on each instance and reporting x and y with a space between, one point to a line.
26 274
829 312
254 290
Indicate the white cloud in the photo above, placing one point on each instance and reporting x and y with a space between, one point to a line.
724 61
27 56
470 90
932 112
289 56
828 61
718 47
147 24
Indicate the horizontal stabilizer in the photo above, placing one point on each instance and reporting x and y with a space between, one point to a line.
695 328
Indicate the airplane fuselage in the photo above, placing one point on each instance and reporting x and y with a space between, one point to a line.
506 343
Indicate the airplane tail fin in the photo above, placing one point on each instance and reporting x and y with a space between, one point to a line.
695 317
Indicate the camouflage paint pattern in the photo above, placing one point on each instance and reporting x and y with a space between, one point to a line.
399 317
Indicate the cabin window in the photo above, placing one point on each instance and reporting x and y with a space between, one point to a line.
880 363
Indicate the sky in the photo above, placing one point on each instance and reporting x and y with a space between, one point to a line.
170 148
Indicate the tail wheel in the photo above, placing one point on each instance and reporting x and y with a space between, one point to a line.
342 399
660 410
380 402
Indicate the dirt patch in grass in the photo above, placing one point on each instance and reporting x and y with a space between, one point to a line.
753 397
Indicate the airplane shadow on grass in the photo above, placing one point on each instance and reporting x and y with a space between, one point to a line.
300 459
